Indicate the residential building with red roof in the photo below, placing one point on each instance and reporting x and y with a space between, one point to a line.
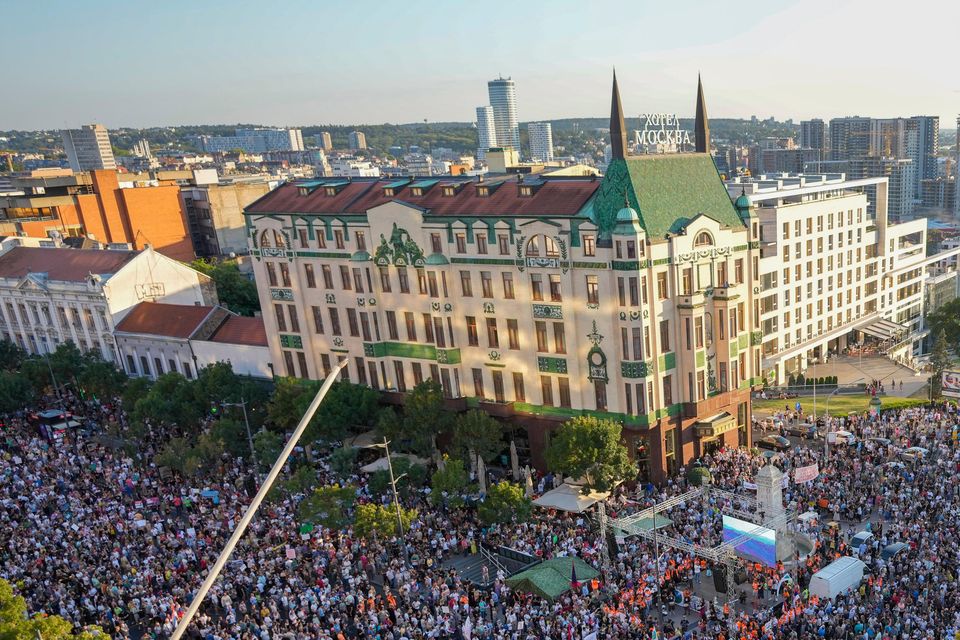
53 295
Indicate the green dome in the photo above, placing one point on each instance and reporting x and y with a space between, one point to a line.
437 259
743 202
628 223
360 256
627 214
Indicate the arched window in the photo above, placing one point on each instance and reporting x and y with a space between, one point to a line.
265 239
279 240
551 246
533 246
703 239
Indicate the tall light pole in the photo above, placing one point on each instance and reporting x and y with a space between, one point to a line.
253 454
255 504
385 445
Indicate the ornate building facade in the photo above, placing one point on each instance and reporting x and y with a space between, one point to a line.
533 298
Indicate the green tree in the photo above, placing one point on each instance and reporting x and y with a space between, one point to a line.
11 356
476 431
424 417
589 447
328 507
174 454
343 461
233 434
172 399
376 519
940 360
504 501
414 476
288 402
268 445
136 388
17 624
235 290
345 406
67 362
16 392
450 480
101 379
947 320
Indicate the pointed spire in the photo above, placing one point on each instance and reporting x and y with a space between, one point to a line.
618 129
701 127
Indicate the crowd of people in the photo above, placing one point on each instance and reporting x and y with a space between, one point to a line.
92 534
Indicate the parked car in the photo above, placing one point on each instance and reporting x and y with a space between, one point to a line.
774 443
805 431
843 437
883 442
860 538
893 550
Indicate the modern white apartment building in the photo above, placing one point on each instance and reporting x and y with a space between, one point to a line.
486 131
259 140
51 296
351 167
88 148
541 141
503 100
831 273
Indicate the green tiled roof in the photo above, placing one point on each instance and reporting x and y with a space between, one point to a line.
667 191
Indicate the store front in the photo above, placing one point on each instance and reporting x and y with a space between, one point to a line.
712 433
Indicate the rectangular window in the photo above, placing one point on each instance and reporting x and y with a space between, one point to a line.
411 326
417 373
546 390
629 396
536 286
486 284
422 281
600 394
633 292
432 284
564 386
438 333
472 338
327 276
435 243
519 394
271 274
338 238
461 243
334 321
667 391
321 241
365 326
302 360
498 386
302 237
427 327
513 333
686 281
374 378
559 340
392 325
631 250
504 244
311 277
288 362
361 370
646 339
637 348
294 318
493 339
541 328
285 274
478 383
281 318
625 343
665 335
404 279
701 386
589 245
688 332
131 364
345 277
643 289
398 372
593 290
662 293
508 286
358 280
482 243
698 331
385 279
738 270
361 240
352 323
621 292
555 289
466 285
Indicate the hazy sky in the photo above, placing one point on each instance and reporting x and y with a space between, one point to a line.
295 62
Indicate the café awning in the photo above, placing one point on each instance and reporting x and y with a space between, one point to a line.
716 425
883 329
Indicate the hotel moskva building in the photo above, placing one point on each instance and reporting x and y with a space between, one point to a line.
533 298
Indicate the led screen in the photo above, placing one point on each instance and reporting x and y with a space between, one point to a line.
761 547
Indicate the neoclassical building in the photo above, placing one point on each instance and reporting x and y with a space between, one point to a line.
533 298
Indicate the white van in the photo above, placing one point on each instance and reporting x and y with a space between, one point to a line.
842 575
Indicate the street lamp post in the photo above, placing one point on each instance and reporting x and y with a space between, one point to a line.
243 405
255 504
826 426
385 445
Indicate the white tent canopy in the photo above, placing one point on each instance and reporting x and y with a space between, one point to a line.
568 497
381 463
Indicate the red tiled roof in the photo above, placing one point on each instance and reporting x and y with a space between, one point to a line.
552 197
65 265
158 319
241 330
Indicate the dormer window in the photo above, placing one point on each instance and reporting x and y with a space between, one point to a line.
330 191
389 192
703 239
483 192
416 191
449 192
526 191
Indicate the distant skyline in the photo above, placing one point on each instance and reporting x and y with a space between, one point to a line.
299 63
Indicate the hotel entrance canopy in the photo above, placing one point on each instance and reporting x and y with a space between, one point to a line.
883 329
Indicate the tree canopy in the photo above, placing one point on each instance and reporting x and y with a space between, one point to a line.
235 290
424 417
940 360
589 448
947 320
17 624
503 502
476 431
